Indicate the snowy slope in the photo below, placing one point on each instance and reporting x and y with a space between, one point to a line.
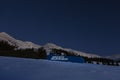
28 69
115 57
18 43
26 44
49 46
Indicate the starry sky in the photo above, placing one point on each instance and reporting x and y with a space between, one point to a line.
91 26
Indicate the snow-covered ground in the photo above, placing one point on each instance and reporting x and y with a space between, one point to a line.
29 69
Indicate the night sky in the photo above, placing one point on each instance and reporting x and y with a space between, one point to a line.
91 26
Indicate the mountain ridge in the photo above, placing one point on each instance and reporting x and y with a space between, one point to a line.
28 45
114 57
18 43
53 46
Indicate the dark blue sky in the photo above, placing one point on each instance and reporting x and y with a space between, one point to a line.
90 26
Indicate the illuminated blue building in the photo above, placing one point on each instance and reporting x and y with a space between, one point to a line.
61 57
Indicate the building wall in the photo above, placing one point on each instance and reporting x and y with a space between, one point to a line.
75 59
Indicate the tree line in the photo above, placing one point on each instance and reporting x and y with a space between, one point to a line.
11 51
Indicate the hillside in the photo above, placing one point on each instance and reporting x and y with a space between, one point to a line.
19 44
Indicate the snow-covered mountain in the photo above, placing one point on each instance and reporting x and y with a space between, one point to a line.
18 43
49 46
115 57
26 44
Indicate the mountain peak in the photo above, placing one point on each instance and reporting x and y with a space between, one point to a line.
3 33
51 45
18 43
